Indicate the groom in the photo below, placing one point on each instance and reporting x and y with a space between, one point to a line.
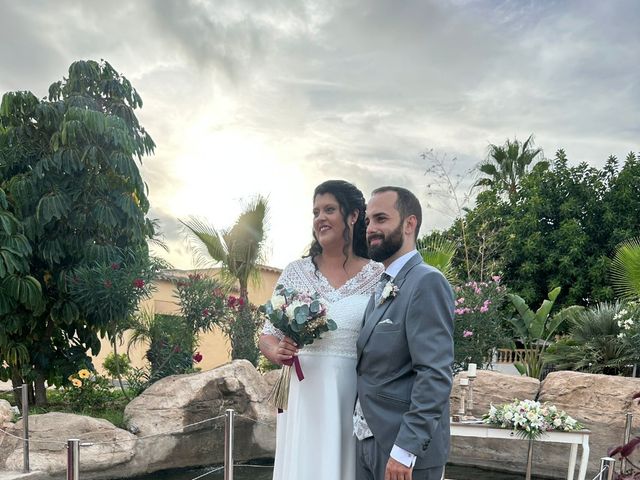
405 351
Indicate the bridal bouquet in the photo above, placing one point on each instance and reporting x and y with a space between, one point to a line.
530 419
301 317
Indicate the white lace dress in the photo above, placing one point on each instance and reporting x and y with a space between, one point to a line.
315 434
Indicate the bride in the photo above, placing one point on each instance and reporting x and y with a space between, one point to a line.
315 434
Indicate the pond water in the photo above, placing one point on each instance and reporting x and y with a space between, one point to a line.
264 472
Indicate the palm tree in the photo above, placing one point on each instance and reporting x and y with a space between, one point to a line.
625 269
507 164
593 344
239 250
438 252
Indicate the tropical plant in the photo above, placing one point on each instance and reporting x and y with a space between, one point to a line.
438 252
240 250
625 269
70 176
535 330
507 164
593 343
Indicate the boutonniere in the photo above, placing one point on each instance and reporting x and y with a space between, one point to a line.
388 292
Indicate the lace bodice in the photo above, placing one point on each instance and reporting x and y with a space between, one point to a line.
346 304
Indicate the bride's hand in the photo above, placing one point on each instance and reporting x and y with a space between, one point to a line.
286 350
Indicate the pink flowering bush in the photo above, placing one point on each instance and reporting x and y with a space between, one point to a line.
479 322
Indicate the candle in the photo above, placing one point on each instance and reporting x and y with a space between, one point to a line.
471 371
464 381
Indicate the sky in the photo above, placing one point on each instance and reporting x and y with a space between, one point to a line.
246 97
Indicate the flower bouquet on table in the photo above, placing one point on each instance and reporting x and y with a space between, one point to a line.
301 317
530 419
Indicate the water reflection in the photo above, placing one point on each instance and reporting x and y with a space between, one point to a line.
264 472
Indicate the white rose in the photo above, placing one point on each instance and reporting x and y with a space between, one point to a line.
292 308
277 301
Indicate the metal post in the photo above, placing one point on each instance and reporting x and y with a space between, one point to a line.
25 428
625 440
228 445
607 468
73 459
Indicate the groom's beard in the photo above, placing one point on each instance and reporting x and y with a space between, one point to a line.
387 247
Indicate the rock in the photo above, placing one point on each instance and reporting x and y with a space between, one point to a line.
172 403
271 377
49 433
492 388
600 402
6 413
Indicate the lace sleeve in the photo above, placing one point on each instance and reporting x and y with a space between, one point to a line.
268 328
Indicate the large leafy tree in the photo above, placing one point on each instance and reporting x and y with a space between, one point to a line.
559 229
507 164
240 250
68 168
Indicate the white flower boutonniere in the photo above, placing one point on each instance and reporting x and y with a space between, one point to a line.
389 292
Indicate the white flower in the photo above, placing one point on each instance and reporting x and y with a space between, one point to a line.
390 291
277 301
290 310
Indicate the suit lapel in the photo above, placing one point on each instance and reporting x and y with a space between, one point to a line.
374 313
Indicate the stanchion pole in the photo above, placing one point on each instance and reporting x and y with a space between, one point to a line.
73 459
607 468
228 444
25 428
626 438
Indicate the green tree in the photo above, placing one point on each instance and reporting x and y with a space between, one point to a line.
558 234
239 250
68 168
507 164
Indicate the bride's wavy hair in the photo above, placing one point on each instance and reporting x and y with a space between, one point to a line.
350 199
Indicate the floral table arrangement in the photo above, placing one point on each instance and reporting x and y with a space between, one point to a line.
530 419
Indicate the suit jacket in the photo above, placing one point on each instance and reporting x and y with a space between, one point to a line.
405 355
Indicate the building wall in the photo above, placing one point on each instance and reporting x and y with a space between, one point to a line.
214 346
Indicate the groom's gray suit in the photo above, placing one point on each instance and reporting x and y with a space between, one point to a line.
405 354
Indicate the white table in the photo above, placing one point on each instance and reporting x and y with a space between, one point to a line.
580 437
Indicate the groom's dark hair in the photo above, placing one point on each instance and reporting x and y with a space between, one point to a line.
407 204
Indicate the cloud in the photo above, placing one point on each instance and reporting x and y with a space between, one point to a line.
247 96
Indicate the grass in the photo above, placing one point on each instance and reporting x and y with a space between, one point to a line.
113 412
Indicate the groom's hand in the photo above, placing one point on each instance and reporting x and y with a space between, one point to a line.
285 350
397 471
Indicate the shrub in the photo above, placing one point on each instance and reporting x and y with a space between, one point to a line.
87 390
595 342
479 322
116 364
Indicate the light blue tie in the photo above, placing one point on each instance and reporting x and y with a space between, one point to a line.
384 279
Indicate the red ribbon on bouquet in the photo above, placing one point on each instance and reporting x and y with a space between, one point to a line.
295 361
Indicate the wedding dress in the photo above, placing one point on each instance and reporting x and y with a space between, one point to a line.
314 439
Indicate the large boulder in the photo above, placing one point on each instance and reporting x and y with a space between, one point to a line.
491 388
177 422
105 446
6 414
600 402
177 411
